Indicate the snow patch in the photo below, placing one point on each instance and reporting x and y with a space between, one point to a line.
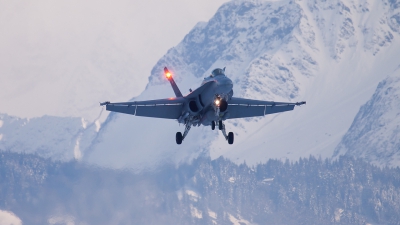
179 195
239 221
193 195
67 220
196 212
98 125
9 218
84 123
267 180
77 150
212 214
338 214
232 179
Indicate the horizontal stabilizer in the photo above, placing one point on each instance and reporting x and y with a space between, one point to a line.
165 111
242 107
278 109
122 109
242 111
165 101
237 111
160 111
252 102
170 108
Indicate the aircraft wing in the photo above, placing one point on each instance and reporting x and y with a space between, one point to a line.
169 108
241 107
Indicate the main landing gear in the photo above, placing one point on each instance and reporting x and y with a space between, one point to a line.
221 127
179 137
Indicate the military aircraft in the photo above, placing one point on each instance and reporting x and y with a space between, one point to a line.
209 105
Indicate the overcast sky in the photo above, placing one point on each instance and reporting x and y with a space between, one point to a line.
51 48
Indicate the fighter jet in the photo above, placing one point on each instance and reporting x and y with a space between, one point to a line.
209 105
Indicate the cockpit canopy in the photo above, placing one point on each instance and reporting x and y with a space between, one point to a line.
218 72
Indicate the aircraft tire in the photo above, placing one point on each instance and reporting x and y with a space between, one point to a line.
230 138
220 125
179 138
212 125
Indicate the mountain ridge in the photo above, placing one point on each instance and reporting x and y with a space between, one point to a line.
332 54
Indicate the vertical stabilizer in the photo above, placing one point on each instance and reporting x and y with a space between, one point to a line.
173 84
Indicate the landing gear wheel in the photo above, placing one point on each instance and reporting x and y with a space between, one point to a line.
179 138
220 126
212 125
230 138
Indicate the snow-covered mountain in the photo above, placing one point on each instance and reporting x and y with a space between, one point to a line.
332 54
375 132
60 138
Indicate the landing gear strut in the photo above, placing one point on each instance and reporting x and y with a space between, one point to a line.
228 137
179 136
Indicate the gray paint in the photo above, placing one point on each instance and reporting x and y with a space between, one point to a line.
198 107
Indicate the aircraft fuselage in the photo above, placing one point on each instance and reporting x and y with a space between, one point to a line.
216 87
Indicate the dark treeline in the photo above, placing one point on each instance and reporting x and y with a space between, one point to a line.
309 191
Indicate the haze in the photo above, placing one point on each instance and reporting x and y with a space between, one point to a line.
62 57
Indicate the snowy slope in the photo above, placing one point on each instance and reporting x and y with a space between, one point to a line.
332 54
375 132
48 136
354 49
